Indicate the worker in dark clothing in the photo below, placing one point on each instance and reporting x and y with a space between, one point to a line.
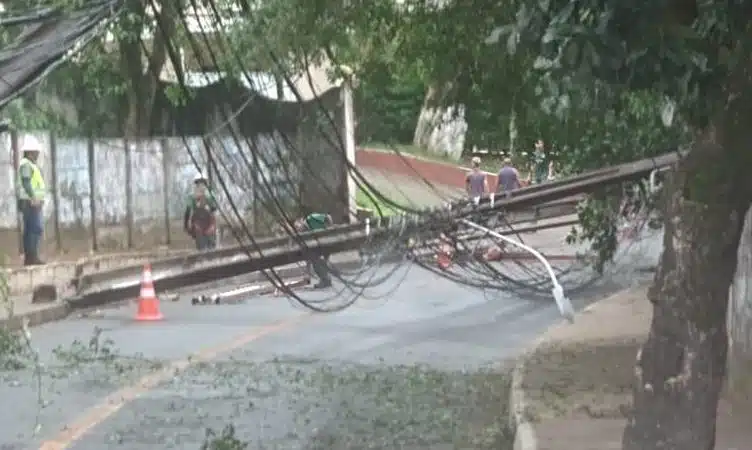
476 182
199 219
315 222
508 179
542 168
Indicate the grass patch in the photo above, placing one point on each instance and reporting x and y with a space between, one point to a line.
376 205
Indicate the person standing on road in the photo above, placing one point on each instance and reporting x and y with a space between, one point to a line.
543 166
199 219
31 193
541 170
315 222
476 182
508 178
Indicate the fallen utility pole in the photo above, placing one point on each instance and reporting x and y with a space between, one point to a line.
85 282
425 225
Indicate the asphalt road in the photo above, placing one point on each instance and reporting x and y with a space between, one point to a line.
423 367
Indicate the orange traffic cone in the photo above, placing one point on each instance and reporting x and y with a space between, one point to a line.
148 303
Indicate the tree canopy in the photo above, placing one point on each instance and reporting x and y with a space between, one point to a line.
600 81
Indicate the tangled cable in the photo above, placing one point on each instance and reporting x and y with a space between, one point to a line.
243 163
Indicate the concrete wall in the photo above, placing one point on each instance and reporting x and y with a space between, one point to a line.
139 189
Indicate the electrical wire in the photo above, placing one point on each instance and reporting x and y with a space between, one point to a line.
515 277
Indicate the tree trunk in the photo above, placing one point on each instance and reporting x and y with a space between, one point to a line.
681 367
144 81
740 318
427 118
440 128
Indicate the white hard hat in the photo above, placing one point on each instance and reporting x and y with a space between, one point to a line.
31 144
199 177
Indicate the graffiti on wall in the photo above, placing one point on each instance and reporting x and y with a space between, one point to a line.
160 178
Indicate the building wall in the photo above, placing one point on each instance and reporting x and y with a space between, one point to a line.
139 188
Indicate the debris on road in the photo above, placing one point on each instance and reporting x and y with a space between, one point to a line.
202 299
170 297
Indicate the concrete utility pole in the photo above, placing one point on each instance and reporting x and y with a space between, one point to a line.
349 133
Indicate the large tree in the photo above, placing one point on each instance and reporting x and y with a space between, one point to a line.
113 82
698 56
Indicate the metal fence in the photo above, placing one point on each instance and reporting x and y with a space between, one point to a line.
115 194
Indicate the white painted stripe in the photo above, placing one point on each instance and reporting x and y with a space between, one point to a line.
255 287
243 290
124 284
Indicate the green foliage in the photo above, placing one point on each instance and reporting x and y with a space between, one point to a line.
683 50
598 225
106 82
14 355
96 349
617 83
387 106
624 127
225 440
372 202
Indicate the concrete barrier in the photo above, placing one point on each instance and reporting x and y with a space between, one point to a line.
23 280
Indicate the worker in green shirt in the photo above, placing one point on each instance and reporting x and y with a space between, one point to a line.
315 222
543 166
199 219
541 170
31 193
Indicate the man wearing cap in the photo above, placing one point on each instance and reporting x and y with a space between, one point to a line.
199 219
31 193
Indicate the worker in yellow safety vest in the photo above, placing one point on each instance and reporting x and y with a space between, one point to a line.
31 193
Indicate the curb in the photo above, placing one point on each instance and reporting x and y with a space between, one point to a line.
40 316
63 308
524 436
524 432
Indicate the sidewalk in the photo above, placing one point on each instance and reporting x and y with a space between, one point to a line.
410 191
574 388
36 314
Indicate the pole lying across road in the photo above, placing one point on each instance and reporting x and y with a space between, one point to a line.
180 264
264 255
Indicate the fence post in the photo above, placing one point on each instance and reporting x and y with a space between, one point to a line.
255 186
128 194
208 152
93 193
55 189
166 177
16 160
